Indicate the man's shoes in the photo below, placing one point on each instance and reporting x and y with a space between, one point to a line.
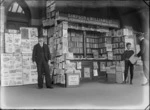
145 84
40 87
131 83
124 82
50 87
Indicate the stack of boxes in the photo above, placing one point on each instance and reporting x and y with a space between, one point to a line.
50 8
16 63
62 57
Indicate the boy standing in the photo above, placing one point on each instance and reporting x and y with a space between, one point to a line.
127 54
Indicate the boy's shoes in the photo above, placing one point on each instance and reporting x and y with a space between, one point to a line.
40 87
50 87
145 84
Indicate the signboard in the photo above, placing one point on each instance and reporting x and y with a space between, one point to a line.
72 80
89 20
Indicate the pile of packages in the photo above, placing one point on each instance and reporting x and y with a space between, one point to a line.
16 60
62 63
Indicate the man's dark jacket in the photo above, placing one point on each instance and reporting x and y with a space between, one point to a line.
144 50
37 55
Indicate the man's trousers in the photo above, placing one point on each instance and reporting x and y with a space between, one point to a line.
43 69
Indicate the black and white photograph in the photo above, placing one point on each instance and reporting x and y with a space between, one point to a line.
74 54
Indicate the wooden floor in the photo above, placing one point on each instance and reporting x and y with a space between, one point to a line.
92 95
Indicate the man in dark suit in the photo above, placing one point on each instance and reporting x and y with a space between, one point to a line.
144 54
41 58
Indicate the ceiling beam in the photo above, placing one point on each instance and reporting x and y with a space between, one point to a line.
101 3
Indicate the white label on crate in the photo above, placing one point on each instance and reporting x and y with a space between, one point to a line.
73 80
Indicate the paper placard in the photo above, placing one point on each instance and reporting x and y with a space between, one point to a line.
9 43
65 33
79 66
110 55
108 47
95 73
102 66
87 73
26 46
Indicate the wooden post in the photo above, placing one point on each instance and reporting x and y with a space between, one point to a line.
84 43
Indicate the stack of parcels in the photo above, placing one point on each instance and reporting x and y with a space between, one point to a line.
120 72
111 72
62 57
17 66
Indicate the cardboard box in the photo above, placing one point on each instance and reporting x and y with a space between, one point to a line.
72 80
111 78
119 77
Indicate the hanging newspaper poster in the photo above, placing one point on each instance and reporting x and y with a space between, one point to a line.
33 77
9 43
17 39
24 33
33 33
12 81
26 68
4 77
87 72
17 43
26 76
26 59
33 43
95 65
95 72
79 66
26 47
18 62
5 81
5 61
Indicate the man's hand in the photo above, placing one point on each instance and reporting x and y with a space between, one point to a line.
49 62
34 63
